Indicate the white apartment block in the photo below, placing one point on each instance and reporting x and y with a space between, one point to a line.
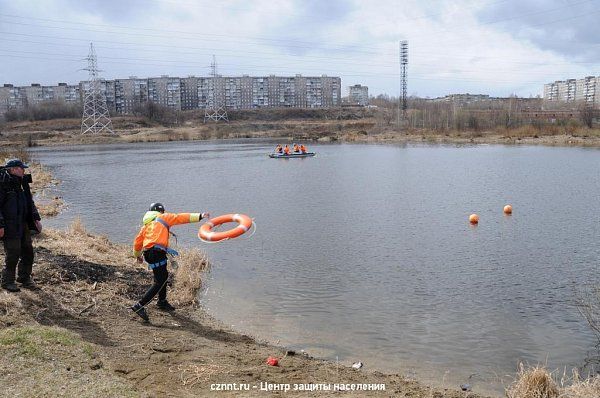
123 96
578 91
358 95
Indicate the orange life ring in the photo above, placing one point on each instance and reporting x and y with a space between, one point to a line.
206 233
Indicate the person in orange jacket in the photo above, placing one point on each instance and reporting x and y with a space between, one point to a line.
296 148
286 150
302 148
152 244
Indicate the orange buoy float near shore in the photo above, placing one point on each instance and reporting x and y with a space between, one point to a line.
206 234
508 209
474 218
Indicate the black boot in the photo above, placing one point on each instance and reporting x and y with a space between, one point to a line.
8 280
164 305
28 283
141 312
11 287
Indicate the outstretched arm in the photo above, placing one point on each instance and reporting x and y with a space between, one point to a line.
182 218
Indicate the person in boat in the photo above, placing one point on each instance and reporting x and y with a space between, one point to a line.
296 148
152 244
302 148
278 148
286 150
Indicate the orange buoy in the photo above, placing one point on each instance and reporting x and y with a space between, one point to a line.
205 233
473 218
508 209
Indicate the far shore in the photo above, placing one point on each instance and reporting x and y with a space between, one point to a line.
137 130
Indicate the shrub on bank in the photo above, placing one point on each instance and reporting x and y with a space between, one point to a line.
538 382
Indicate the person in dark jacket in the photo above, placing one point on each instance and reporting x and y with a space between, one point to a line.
18 216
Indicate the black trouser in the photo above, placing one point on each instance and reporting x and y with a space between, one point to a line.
161 275
18 252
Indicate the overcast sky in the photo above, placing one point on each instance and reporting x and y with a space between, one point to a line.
490 47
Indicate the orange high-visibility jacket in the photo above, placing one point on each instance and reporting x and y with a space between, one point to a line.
286 150
155 231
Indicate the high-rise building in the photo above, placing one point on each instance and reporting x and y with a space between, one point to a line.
123 96
358 95
165 91
576 91
130 94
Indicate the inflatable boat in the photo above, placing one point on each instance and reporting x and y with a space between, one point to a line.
291 155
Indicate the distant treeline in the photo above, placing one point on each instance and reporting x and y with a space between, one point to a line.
44 111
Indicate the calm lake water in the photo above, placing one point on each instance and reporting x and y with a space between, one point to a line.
364 252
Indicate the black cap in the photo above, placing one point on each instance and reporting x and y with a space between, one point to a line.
16 163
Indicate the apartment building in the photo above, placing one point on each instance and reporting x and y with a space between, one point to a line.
358 95
68 93
107 90
11 98
165 91
123 96
130 94
576 91
15 98
189 93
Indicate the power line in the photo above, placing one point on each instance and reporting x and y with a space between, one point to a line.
265 38
429 55
394 76
195 65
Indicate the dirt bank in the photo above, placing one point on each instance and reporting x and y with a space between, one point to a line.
76 337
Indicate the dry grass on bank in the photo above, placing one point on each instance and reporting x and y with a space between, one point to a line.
188 276
534 382
50 208
548 130
538 382
9 303
15 152
76 241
